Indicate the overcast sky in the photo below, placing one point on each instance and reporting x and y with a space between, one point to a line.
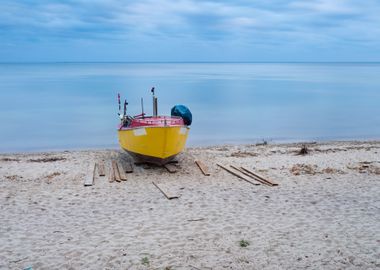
189 30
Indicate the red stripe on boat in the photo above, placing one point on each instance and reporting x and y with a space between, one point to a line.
160 121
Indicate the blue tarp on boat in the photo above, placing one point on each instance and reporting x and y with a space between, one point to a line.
184 112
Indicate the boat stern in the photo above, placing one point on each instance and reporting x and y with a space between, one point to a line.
154 144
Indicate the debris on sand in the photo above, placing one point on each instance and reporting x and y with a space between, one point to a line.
243 154
13 177
365 167
9 159
264 142
44 160
52 175
299 169
304 150
329 170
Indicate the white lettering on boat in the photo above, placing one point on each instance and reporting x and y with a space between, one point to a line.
183 130
139 132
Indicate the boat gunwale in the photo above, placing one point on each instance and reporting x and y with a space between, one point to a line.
132 128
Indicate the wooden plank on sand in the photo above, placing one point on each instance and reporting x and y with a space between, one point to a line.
89 181
122 174
202 167
171 168
269 182
250 176
166 192
116 171
236 174
111 176
101 169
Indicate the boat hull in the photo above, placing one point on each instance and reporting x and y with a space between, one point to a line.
156 144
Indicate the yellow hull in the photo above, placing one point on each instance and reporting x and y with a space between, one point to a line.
154 144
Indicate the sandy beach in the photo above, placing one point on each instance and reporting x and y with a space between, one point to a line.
324 213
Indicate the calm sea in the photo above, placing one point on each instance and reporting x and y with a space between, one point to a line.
74 105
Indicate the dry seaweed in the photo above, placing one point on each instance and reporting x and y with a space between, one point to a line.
52 175
9 159
299 169
13 177
44 160
366 167
243 154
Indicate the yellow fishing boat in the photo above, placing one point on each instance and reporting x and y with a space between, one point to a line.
155 139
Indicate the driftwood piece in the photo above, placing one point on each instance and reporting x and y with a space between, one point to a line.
89 181
171 168
167 193
303 151
116 171
202 167
260 177
236 174
121 171
101 169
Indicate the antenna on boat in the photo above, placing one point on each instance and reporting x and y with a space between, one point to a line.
125 107
142 107
155 110
118 100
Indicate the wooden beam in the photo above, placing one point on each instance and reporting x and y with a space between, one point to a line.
89 181
167 194
202 167
271 183
121 171
250 176
237 175
101 169
111 176
116 171
171 168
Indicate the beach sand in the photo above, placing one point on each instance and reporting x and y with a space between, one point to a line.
324 214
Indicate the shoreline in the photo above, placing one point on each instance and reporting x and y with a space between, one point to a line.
323 214
256 143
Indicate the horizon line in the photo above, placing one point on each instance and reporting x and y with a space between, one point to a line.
192 62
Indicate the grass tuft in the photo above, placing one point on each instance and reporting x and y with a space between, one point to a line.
244 243
145 261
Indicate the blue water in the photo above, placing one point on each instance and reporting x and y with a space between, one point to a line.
73 105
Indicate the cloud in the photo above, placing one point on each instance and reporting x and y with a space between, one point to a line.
325 23
325 6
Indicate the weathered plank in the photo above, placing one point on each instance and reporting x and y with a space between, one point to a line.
250 176
111 176
122 174
231 172
202 167
169 195
236 174
171 168
269 182
101 169
89 181
116 171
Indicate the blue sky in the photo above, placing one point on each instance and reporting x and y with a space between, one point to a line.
189 30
